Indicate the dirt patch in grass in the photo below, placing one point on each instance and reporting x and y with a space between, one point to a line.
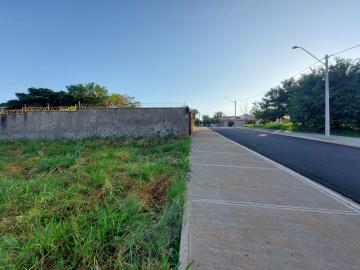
155 193
13 153
14 168
92 204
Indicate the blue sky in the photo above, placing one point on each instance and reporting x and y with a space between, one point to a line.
192 51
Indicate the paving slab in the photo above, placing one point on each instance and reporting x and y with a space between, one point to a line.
240 158
257 185
246 213
251 237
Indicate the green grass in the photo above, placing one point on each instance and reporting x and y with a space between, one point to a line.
347 133
277 126
297 128
92 204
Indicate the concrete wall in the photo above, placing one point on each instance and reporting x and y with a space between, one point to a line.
118 122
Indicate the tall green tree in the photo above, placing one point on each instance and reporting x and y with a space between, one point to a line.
40 97
274 105
194 115
303 99
345 93
89 93
119 100
217 116
306 101
207 120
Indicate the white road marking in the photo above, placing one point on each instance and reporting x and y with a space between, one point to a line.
274 206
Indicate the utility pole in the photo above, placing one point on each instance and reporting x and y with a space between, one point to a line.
244 110
235 113
234 101
327 95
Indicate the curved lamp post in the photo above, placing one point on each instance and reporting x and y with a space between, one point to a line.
327 96
234 101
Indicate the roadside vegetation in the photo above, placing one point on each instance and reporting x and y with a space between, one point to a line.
89 94
92 204
302 99
277 126
351 132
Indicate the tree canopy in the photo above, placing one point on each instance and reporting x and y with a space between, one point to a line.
303 99
207 120
89 93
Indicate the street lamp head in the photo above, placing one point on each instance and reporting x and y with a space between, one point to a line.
295 47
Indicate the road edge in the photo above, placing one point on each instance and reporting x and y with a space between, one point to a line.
329 192
300 137
185 232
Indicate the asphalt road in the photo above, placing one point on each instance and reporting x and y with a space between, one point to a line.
332 165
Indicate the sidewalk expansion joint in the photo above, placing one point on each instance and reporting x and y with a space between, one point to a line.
274 206
218 152
235 166
330 193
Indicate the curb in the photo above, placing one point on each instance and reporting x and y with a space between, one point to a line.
301 137
184 261
331 193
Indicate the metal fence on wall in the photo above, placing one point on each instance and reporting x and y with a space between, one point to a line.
88 106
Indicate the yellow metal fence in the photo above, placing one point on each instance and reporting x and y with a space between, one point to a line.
56 109
39 109
88 106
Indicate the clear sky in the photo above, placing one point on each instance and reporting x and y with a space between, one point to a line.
189 51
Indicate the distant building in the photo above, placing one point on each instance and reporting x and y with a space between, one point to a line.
241 120
284 120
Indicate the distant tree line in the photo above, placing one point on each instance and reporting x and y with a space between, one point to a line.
89 93
303 99
207 120
215 119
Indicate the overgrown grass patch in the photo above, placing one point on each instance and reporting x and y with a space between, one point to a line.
92 204
278 126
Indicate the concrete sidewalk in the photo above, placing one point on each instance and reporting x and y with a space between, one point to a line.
245 212
344 140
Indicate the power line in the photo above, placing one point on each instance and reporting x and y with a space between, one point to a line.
301 71
306 68
246 99
358 45
312 65
348 49
213 109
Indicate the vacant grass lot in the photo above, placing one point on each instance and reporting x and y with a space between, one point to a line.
92 204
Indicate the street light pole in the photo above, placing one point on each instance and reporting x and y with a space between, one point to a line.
235 113
327 97
234 101
327 94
